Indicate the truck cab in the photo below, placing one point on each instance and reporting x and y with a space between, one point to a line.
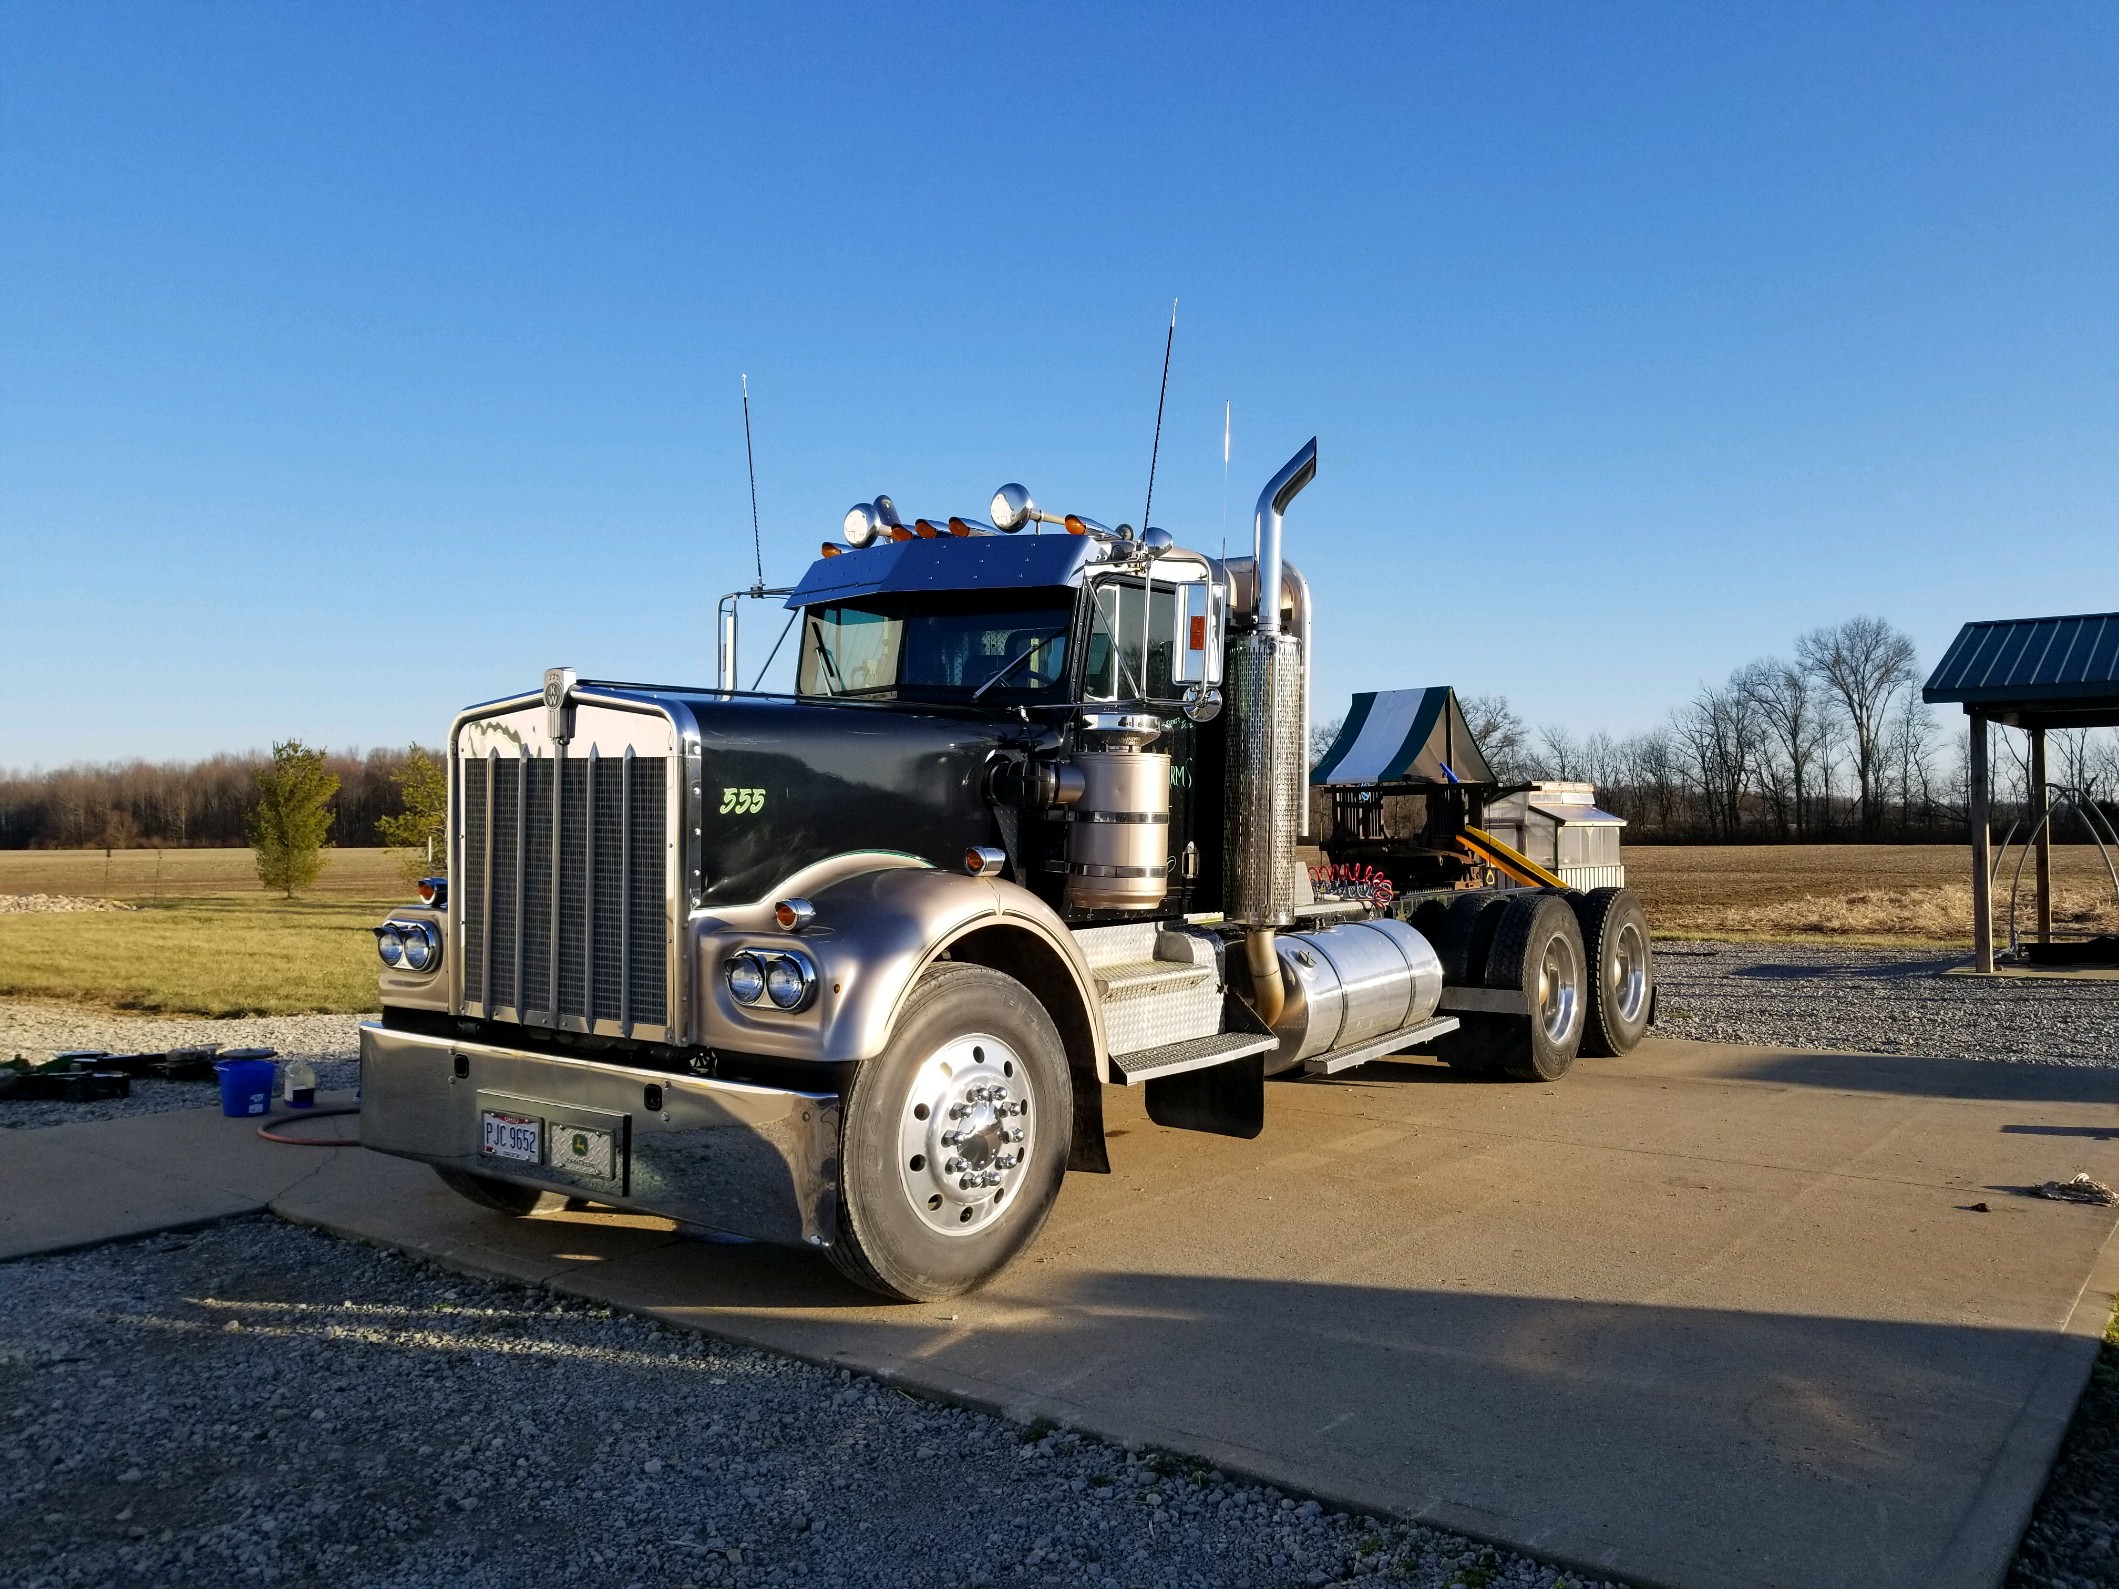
850 968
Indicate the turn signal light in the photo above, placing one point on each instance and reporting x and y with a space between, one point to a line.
794 914
982 860
434 891
1077 525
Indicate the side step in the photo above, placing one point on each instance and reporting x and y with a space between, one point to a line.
1194 1053
1361 1053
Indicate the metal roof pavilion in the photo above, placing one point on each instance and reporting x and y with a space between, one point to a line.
2034 674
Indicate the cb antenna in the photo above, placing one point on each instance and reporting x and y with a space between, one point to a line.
757 545
1228 408
1156 452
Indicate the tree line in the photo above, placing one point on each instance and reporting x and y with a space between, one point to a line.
214 802
1830 742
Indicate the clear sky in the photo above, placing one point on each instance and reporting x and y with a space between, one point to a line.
359 361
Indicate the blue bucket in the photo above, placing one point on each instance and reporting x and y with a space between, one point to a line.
246 1085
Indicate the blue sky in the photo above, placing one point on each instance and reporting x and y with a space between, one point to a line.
358 362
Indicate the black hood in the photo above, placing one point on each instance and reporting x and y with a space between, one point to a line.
788 782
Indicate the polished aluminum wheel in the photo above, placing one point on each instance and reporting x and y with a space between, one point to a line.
1628 994
966 1134
1559 990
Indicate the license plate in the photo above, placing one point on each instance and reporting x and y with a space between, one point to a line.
583 1152
512 1137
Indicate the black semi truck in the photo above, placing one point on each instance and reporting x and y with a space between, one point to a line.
851 968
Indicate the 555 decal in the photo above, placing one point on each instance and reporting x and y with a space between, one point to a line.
742 802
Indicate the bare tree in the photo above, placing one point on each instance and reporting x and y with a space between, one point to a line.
1500 731
1557 755
1720 733
1793 718
1863 663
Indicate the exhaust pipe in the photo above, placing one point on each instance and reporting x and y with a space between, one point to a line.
1273 501
1267 762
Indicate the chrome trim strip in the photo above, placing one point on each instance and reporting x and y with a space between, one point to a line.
522 862
555 998
485 908
588 898
625 895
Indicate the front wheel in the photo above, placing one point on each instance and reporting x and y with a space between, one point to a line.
953 1141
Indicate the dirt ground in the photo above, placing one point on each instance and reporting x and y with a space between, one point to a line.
1854 893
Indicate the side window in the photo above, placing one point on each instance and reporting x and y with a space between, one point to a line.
1132 641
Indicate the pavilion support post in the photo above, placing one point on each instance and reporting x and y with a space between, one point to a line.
2043 846
1982 840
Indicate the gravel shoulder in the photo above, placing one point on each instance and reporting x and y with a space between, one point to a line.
261 1402
1878 1001
37 1031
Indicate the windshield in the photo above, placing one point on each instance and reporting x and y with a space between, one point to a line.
939 647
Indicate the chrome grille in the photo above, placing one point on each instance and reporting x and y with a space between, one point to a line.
565 889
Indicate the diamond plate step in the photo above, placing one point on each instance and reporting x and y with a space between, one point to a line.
1361 1053
1162 975
1194 1053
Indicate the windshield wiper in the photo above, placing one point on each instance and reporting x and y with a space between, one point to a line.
1024 656
838 685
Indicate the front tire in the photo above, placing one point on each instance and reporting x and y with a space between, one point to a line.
954 1140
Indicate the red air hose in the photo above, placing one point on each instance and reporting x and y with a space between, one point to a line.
270 1135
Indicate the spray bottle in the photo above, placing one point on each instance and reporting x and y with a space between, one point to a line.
297 1082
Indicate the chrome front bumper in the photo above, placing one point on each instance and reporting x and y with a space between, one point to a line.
750 1161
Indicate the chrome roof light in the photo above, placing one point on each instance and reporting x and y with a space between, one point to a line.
863 524
1011 508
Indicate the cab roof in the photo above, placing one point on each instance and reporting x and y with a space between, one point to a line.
971 562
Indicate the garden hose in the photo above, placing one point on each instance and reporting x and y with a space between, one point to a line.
270 1135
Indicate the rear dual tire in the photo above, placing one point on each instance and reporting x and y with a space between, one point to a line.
1622 988
1528 945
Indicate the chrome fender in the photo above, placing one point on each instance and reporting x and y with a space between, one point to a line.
878 926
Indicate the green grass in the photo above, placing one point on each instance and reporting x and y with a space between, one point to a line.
229 956
205 939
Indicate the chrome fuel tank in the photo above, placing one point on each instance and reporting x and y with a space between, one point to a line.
1350 983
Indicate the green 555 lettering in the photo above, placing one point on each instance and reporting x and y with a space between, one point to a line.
742 802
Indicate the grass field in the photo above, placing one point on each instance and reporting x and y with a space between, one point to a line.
205 939
1853 893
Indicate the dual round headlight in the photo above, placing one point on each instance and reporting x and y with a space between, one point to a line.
786 980
415 945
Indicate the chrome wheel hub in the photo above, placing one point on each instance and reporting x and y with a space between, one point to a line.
1559 990
1629 973
966 1134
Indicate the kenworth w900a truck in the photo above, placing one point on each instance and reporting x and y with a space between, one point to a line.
851 968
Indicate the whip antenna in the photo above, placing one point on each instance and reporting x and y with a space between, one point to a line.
1227 408
1156 452
757 545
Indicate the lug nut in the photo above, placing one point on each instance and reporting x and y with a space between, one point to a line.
1013 1134
967 1183
957 1111
953 1166
990 1178
951 1138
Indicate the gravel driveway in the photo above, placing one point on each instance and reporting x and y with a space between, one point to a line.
1879 1001
261 1403
38 1031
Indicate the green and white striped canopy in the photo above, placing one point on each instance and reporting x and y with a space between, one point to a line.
1404 736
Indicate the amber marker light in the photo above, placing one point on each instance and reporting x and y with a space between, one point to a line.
1075 525
830 550
898 532
959 527
926 531
794 914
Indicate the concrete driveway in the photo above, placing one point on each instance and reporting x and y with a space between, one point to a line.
1702 1316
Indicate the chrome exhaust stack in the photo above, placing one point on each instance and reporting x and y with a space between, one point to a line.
1266 757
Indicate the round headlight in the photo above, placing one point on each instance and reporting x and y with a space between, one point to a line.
389 945
788 981
420 945
746 978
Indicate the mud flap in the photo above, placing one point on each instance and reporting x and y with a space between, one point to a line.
1228 1100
